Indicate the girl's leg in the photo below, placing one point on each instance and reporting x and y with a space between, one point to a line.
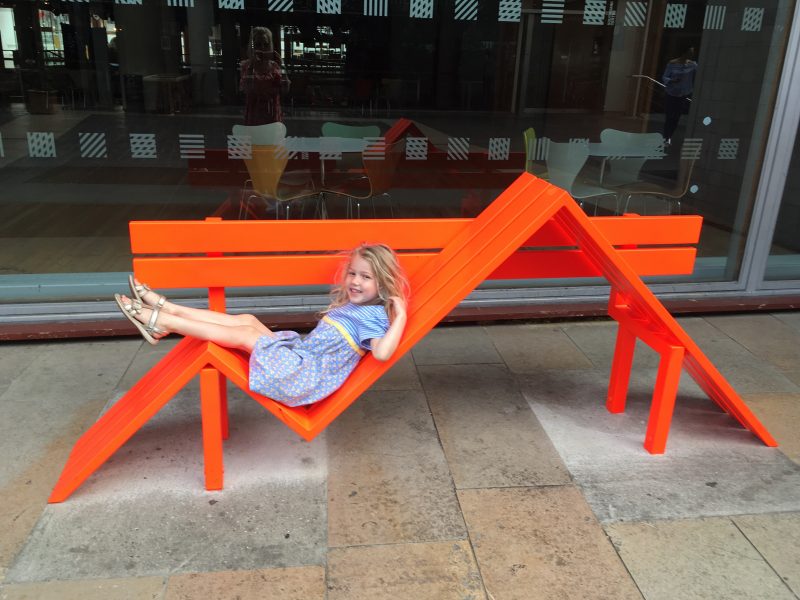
240 336
201 314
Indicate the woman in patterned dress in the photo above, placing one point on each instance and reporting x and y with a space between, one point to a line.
367 314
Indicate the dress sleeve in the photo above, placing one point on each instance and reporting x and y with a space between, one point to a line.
373 325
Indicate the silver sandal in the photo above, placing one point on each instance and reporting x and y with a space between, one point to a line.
140 289
133 308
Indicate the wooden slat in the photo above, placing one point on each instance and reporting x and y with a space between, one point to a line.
249 271
167 237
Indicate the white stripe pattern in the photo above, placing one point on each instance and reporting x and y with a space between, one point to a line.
541 149
675 16
457 148
499 148
728 148
283 152
138 2
280 5
635 14
612 17
416 148
715 17
143 145
752 19
329 149
594 12
329 7
93 145
553 11
510 11
376 8
466 10
41 144
192 145
691 148
232 4
240 147
375 148
183 3
421 9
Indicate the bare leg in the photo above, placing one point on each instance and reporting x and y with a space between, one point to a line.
201 314
242 335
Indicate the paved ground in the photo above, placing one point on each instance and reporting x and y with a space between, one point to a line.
482 467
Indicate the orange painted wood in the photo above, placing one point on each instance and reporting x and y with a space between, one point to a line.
474 249
211 383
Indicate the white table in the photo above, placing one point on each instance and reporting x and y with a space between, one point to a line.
608 151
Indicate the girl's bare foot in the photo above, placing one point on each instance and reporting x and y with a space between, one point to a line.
144 294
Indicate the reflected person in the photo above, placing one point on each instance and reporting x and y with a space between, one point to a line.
262 80
679 81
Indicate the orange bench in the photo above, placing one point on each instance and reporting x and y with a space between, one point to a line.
532 230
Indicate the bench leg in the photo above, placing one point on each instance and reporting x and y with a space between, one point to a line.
620 370
669 375
211 399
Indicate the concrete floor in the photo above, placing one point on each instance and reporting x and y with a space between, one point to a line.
483 466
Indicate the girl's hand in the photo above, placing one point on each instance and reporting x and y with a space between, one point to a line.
399 306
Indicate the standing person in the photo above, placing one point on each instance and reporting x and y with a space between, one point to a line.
679 81
262 80
367 313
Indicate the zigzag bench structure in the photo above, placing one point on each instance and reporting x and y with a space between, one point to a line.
532 230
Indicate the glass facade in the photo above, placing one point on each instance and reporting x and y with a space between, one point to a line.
165 109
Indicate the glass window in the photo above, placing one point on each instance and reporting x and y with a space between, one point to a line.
117 111
784 255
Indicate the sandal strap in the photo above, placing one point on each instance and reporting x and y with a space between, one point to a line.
151 324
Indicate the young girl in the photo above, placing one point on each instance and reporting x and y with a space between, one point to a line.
367 313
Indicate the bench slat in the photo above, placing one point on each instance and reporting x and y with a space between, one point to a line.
167 237
248 271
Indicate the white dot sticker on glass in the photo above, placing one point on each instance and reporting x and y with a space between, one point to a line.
707 121
694 189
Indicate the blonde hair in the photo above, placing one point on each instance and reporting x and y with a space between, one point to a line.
389 276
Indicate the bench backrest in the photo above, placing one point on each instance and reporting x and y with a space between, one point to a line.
224 254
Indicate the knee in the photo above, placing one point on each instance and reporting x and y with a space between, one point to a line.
249 321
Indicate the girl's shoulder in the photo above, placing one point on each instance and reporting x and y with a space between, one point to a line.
361 310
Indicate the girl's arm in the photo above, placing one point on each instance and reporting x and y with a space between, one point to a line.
384 347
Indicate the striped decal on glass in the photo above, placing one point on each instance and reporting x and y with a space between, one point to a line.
93 145
280 5
421 9
457 148
375 148
139 2
728 148
752 19
2 150
329 149
240 147
466 10
635 14
41 144
552 11
376 8
715 17
675 16
540 149
612 17
329 7
143 145
594 12
691 148
510 11
232 4
499 148
192 145
183 3
579 140
416 148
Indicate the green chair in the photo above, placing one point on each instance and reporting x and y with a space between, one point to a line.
530 145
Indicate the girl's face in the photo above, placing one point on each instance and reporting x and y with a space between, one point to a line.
359 281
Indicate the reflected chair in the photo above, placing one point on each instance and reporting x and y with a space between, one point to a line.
674 192
564 163
271 184
530 154
331 129
629 151
262 135
377 181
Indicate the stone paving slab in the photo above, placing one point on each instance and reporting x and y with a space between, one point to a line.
527 348
293 583
388 479
790 318
596 339
490 436
402 376
712 466
146 511
698 559
456 346
777 539
765 336
436 570
780 414
542 543
130 588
